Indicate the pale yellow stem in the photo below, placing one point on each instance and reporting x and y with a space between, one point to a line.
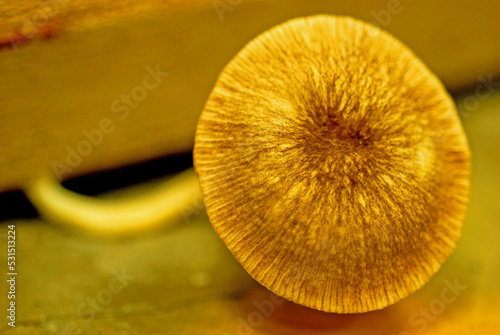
164 205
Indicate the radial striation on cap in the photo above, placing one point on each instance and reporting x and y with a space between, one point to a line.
333 165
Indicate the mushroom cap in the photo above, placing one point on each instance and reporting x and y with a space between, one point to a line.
333 164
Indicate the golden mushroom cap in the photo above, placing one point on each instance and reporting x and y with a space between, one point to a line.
333 164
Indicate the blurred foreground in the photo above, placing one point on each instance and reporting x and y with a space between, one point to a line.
185 281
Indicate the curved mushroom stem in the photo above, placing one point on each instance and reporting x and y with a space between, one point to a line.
164 205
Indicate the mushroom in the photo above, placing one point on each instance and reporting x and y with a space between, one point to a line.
333 164
331 161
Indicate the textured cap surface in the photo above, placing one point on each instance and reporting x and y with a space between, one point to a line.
333 165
